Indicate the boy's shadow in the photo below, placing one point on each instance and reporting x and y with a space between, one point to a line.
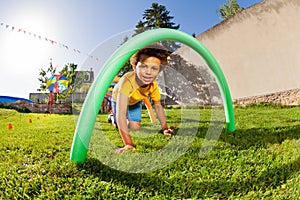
137 180
243 138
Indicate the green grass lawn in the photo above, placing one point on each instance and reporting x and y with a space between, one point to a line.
260 160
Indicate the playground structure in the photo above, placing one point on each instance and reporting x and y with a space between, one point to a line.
106 104
94 98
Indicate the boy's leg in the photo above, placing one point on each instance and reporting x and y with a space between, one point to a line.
134 116
112 116
134 125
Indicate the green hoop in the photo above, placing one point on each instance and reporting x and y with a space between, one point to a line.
95 96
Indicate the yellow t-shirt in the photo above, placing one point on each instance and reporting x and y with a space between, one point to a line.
128 86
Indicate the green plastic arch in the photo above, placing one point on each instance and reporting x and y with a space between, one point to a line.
95 96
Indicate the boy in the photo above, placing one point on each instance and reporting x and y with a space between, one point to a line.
50 103
133 87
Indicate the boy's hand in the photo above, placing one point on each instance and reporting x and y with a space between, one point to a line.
123 149
169 131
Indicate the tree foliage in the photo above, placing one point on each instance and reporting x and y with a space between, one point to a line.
69 71
157 16
229 8
74 78
44 75
187 82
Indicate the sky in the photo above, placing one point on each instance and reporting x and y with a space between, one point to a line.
33 33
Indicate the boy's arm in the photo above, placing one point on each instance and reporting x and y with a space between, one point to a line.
162 119
160 115
122 104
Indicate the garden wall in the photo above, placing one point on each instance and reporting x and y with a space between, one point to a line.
257 49
63 108
286 98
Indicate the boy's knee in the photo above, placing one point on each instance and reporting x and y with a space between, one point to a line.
135 126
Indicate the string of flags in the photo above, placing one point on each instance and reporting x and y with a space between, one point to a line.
46 39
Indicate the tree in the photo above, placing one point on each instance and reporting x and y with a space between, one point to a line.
157 16
189 83
140 27
69 71
126 67
74 78
44 74
229 8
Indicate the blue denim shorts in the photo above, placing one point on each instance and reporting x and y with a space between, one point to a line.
134 112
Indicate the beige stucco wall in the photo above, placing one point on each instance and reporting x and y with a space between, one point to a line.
258 49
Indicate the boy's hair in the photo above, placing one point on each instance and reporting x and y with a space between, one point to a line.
155 50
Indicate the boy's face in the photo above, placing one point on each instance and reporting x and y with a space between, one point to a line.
147 70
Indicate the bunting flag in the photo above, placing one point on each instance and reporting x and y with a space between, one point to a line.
53 42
